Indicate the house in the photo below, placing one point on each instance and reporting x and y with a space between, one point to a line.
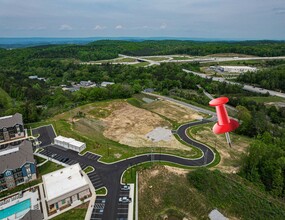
17 164
65 187
149 90
11 128
86 83
33 77
38 78
69 143
105 84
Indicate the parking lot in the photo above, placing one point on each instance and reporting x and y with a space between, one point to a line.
98 209
123 207
61 158
95 179
91 156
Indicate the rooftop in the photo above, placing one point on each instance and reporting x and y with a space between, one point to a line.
239 67
69 140
15 156
63 181
11 120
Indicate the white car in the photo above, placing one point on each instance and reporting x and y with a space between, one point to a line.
125 187
125 199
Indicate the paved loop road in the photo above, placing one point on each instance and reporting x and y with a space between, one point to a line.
110 174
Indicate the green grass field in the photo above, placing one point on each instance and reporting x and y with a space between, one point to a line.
48 167
156 58
182 58
141 64
39 159
127 59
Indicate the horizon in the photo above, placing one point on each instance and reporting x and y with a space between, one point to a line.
210 19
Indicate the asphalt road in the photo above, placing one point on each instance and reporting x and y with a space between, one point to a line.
245 87
109 175
45 135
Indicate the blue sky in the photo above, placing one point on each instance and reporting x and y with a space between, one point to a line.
230 19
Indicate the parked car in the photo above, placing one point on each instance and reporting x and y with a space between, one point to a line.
125 187
125 199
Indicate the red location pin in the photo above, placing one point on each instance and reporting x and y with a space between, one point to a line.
224 124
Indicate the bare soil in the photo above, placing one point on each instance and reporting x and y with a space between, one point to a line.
129 125
173 111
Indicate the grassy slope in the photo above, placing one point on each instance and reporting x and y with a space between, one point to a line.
48 167
206 191
227 192
239 143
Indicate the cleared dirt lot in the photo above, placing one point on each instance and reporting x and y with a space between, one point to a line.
121 122
129 125
173 111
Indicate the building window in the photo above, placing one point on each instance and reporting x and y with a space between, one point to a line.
18 129
63 201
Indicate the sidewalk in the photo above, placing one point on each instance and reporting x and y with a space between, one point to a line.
44 207
131 204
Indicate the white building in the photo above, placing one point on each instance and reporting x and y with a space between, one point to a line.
69 143
237 69
65 186
104 84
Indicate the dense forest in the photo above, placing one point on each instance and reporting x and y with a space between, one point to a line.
107 49
270 78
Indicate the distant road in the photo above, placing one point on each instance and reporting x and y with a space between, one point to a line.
245 87
226 59
196 108
171 60
202 59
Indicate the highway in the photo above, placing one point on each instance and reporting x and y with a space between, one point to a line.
245 87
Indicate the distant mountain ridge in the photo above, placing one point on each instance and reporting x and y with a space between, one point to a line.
38 41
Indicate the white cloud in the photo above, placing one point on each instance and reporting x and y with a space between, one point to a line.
65 27
163 26
279 11
38 28
119 27
99 27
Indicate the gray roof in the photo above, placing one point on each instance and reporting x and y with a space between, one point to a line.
11 121
216 215
19 158
33 215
